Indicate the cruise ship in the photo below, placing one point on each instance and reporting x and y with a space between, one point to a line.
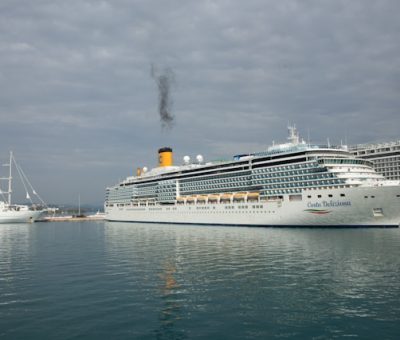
292 184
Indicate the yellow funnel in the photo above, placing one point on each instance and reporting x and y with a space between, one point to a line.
165 157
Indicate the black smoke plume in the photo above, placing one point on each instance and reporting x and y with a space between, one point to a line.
165 81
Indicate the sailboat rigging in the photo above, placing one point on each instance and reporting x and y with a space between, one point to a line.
19 213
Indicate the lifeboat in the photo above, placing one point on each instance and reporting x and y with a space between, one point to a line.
180 200
201 199
253 196
226 197
213 198
239 197
191 200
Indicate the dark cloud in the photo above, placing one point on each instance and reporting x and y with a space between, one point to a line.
77 102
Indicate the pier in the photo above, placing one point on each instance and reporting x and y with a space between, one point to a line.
96 217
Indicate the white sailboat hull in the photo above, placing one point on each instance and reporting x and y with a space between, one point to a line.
26 216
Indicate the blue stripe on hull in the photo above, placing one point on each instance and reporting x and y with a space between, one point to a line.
267 225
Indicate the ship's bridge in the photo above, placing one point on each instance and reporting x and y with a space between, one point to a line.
353 171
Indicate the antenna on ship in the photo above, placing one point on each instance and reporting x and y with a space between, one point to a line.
293 135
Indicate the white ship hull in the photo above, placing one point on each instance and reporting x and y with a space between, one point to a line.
340 207
25 216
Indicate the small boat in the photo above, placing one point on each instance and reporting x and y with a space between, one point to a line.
191 199
213 198
253 196
226 197
239 197
201 199
97 216
18 213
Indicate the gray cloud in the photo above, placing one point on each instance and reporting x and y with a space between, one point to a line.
78 106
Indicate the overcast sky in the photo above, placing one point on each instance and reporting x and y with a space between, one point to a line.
79 106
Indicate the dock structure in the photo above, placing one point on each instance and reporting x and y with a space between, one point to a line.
96 217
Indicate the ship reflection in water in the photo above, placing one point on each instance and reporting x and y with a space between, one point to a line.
260 282
171 311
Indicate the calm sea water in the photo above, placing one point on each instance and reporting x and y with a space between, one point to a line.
100 280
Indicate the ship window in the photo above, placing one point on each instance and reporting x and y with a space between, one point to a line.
377 211
342 195
330 195
319 196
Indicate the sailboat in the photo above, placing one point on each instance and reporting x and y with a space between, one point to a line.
18 213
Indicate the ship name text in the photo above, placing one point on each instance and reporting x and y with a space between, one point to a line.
329 204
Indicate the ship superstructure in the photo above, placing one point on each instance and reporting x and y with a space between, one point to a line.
385 157
289 184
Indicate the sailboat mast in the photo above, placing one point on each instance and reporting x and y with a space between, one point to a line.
10 178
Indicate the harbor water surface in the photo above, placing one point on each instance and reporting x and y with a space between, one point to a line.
101 280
